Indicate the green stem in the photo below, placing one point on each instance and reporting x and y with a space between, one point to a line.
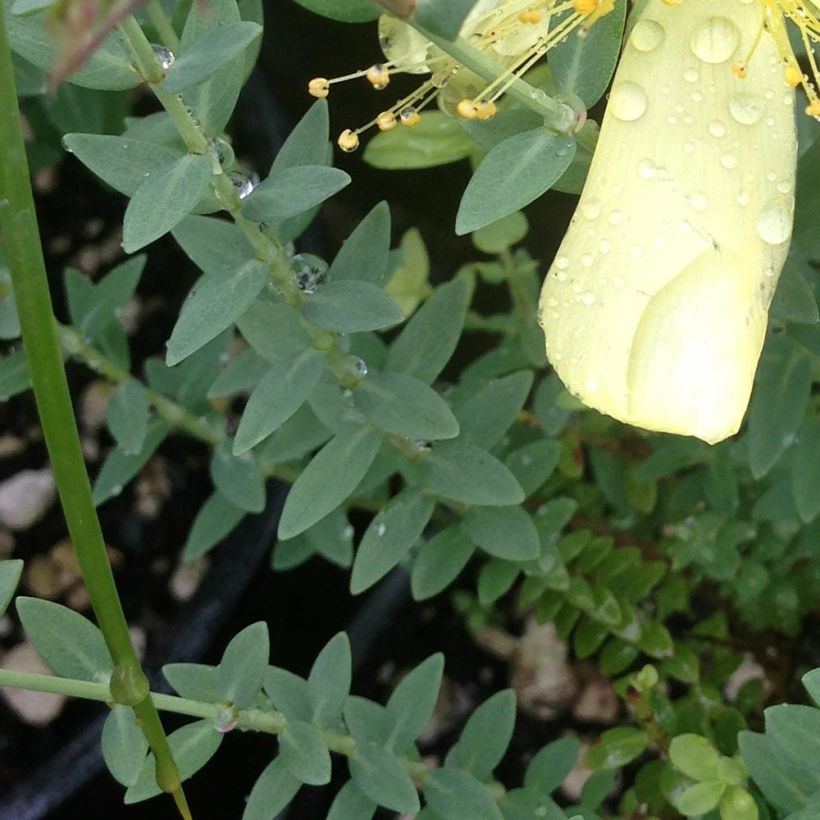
161 22
255 720
21 242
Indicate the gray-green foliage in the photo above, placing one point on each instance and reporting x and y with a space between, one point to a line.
339 377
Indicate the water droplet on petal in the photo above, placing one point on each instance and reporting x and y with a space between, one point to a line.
746 108
591 208
561 262
647 169
774 223
729 161
717 129
628 101
715 40
647 35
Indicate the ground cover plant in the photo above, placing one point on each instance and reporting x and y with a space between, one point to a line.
419 421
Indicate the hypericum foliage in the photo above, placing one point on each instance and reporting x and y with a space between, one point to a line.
663 560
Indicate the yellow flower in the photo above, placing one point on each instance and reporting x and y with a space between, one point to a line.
655 308
516 34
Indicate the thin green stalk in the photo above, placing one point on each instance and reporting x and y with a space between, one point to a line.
21 242
159 19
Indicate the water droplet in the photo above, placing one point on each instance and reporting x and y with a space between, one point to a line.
616 217
698 201
647 169
774 224
647 35
381 529
746 108
561 262
743 198
691 75
552 302
604 246
309 270
360 367
696 96
636 251
688 147
164 56
587 260
347 533
717 129
715 40
526 460
591 208
768 271
729 161
244 184
628 101
784 187
538 94
588 298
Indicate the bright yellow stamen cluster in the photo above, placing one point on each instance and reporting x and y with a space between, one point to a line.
514 33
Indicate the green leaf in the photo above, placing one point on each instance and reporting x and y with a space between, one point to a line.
238 478
411 703
120 162
69 643
401 404
796 731
240 375
213 245
811 680
549 768
794 300
778 405
164 199
381 777
436 140
617 747
443 17
805 471
489 413
192 747
195 681
551 414
215 519
454 794
120 467
583 63
272 792
389 538
127 416
700 798
364 254
291 191
14 375
209 53
496 579
505 532
501 235
351 804
123 745
332 475
439 562
242 669
280 393
307 143
273 330
695 756
329 680
10 572
346 11
428 340
514 173
463 472
351 307
738 804
289 693
784 784
485 738
215 302
304 753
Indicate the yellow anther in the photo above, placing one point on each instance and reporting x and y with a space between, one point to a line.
319 87
378 76
409 116
794 76
467 110
386 121
813 109
740 69
485 110
531 17
348 141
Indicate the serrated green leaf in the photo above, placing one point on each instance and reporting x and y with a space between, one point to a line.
428 340
505 532
389 538
208 54
331 476
164 199
439 561
514 173
238 478
272 792
123 745
401 404
304 753
68 642
351 307
242 669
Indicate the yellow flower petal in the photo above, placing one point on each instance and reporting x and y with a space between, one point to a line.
655 307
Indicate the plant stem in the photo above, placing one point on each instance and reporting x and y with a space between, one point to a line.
160 21
255 720
21 242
